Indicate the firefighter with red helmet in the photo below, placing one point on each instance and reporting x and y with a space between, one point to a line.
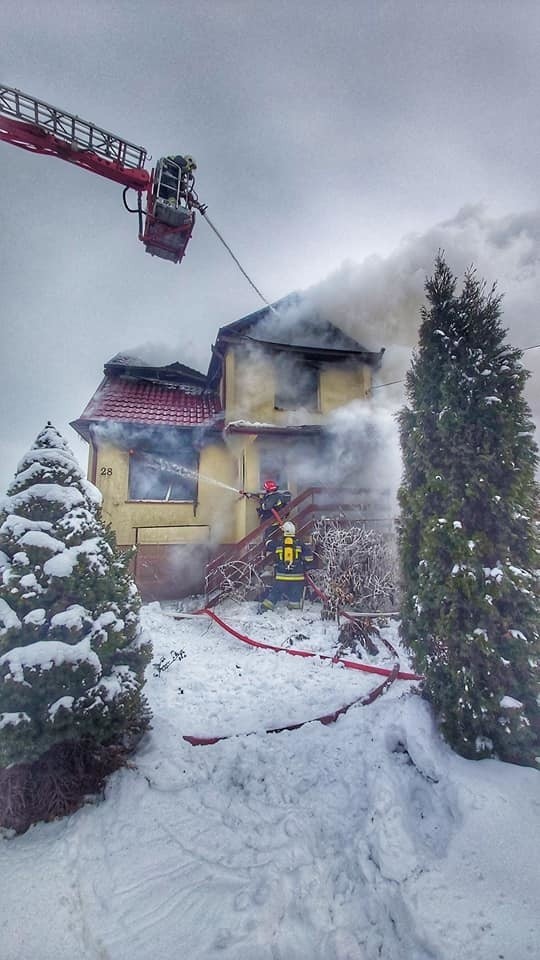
292 559
273 502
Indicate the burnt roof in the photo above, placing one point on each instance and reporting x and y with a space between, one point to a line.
171 373
291 324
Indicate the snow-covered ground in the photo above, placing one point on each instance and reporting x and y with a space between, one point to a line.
359 840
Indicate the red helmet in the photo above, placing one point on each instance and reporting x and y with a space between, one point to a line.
270 486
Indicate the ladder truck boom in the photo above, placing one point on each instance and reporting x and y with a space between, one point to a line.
166 223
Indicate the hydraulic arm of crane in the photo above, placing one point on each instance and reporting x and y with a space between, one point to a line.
34 125
169 216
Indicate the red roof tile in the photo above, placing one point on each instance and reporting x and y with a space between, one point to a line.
141 401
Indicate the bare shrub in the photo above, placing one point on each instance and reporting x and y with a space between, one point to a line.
356 637
239 580
357 567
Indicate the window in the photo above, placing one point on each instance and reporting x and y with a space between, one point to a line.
297 385
163 476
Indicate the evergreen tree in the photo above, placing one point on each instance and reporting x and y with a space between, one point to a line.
71 660
468 531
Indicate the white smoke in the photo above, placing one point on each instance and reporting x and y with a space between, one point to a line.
378 301
159 354
366 451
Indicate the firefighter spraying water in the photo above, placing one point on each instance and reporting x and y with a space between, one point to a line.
273 502
291 557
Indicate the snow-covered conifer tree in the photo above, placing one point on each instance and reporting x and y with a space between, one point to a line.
71 661
468 534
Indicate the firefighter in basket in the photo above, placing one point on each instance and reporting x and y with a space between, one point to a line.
175 178
292 559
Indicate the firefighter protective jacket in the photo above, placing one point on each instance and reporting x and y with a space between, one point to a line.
291 559
273 501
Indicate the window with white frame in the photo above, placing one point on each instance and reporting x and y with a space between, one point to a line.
163 475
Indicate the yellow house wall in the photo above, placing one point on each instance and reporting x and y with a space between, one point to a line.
338 385
216 503
111 480
227 383
251 387
169 522
245 470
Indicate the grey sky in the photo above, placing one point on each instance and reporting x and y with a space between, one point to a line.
323 133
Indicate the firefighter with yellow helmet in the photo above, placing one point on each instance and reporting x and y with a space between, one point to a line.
175 178
292 559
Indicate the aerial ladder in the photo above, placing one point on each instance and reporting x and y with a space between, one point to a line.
166 198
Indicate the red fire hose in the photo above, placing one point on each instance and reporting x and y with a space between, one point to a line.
326 719
390 676
293 652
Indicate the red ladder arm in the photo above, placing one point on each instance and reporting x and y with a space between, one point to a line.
36 126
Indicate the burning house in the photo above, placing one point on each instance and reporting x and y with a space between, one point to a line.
171 448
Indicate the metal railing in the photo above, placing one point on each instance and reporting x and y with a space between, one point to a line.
312 504
70 128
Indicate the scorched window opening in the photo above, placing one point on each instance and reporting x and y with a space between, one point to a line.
150 477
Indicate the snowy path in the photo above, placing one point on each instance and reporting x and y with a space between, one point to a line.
360 840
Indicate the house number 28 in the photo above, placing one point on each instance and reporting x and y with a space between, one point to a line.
106 472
